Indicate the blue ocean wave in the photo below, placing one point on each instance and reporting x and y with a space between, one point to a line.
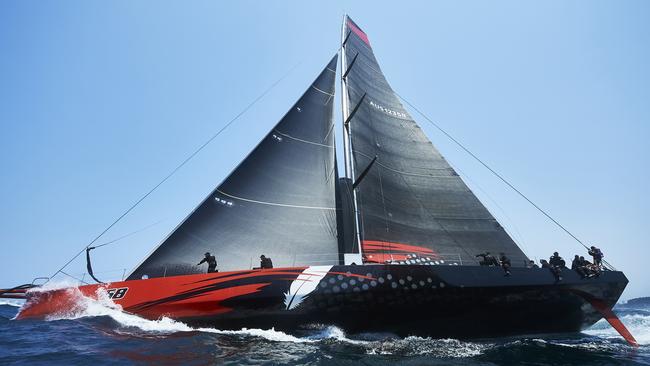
101 334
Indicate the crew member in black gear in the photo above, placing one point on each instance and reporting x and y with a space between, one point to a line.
505 264
483 262
544 263
579 266
212 262
589 270
265 263
575 264
597 254
556 263
488 259
532 264
495 261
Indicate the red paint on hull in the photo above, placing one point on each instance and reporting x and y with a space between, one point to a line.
175 297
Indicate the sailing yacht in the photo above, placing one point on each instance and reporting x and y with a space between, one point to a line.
391 246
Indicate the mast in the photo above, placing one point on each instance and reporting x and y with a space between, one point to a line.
347 147
344 107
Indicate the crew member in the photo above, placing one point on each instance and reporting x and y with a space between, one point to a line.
505 264
588 269
597 254
575 264
544 263
555 265
212 262
580 266
488 259
532 264
556 261
265 263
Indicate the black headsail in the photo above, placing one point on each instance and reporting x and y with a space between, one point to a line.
280 201
411 201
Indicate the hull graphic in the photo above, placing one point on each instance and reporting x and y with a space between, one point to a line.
443 301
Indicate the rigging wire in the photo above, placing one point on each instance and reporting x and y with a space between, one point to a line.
492 171
71 276
127 235
178 167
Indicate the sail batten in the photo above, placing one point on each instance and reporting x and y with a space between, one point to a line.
279 201
412 197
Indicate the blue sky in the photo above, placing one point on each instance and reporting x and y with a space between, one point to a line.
100 100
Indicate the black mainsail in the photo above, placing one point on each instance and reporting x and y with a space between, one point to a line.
280 200
412 200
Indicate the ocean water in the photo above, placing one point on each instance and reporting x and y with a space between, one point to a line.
100 334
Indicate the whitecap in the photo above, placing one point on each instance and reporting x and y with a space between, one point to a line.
14 303
638 325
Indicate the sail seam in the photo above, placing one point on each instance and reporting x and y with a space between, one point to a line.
324 92
329 132
301 140
275 204
407 173
328 99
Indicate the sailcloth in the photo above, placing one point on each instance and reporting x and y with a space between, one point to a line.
412 201
280 200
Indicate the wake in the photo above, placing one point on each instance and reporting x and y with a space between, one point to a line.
104 307
372 343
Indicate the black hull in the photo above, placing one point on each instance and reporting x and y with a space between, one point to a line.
437 301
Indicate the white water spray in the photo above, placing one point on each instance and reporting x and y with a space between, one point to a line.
638 324
104 307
